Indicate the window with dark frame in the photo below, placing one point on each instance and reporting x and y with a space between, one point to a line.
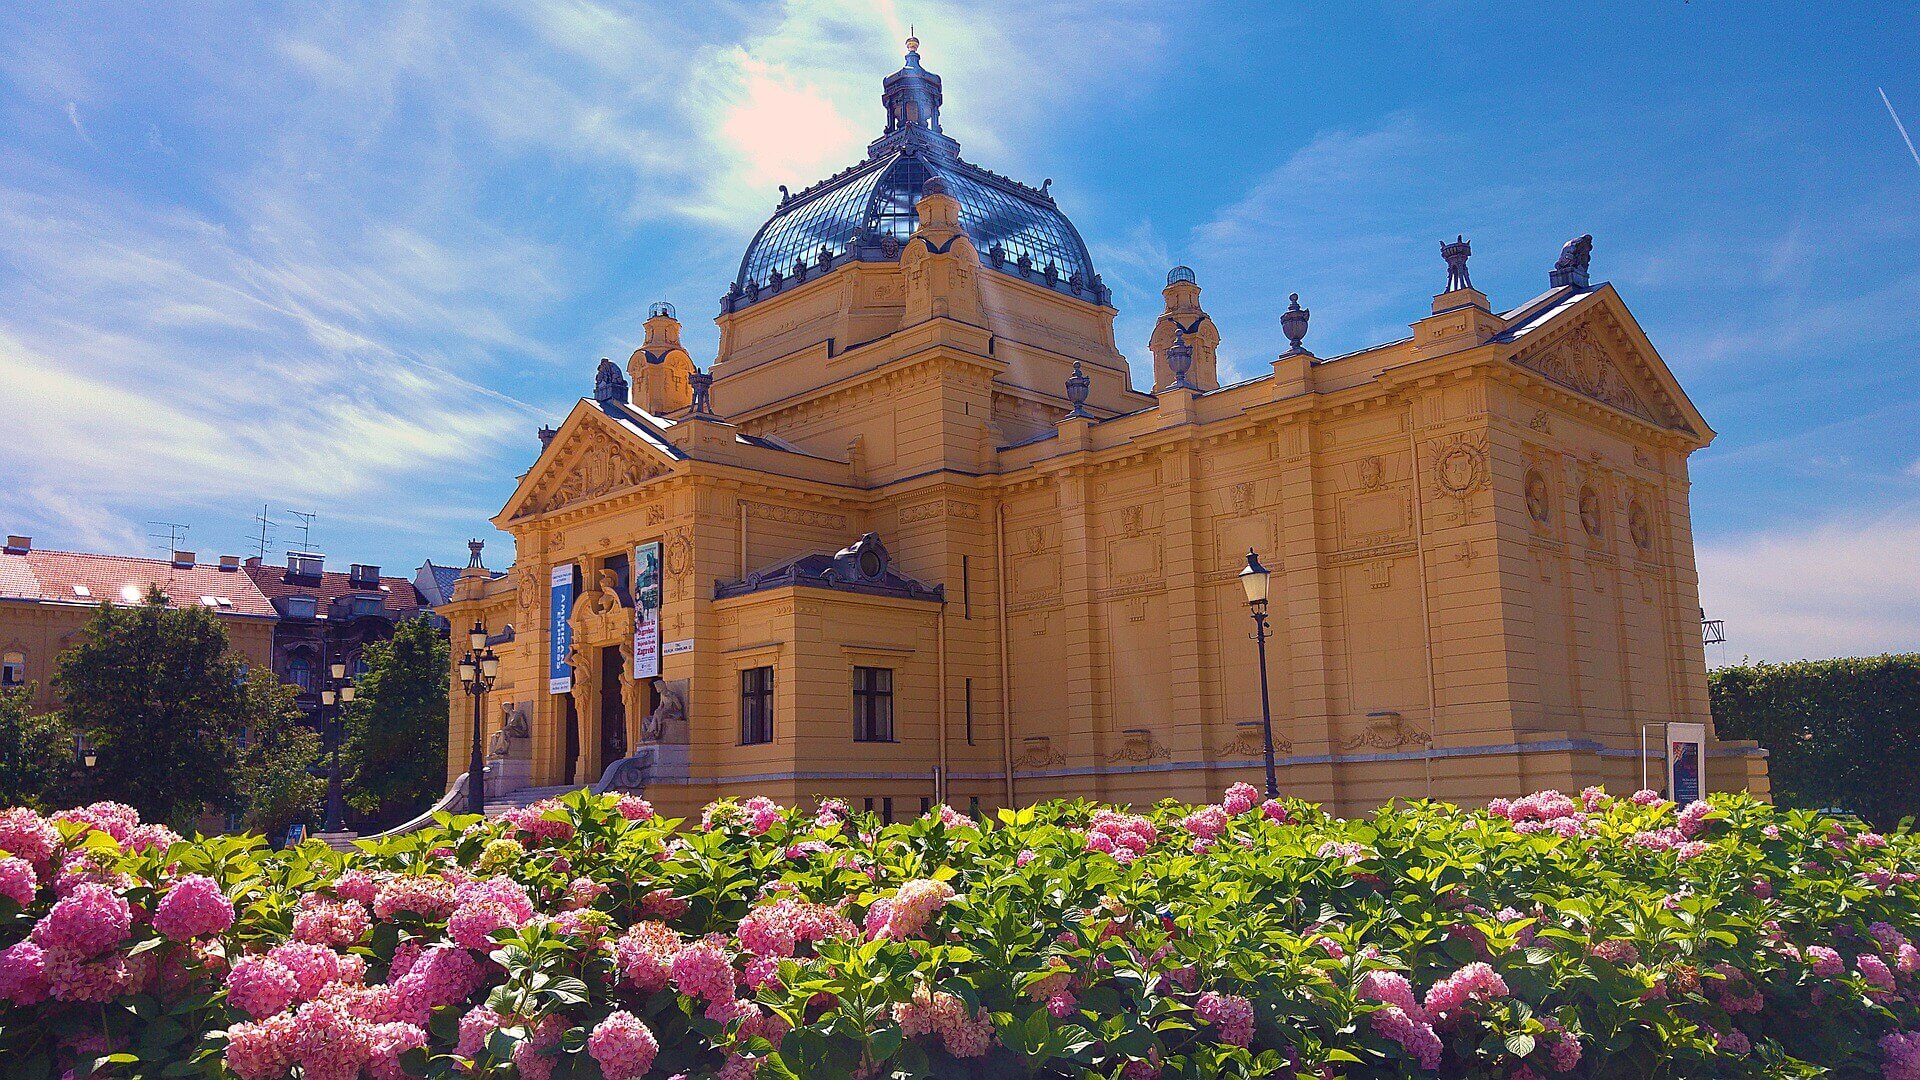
872 704
756 706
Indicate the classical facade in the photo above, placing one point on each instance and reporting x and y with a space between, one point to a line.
914 535
47 597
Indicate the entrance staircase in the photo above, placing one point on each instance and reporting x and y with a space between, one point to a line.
514 800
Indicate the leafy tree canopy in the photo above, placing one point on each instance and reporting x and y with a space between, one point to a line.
396 748
163 701
36 753
274 782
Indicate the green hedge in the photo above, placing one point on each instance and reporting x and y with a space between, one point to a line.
1841 734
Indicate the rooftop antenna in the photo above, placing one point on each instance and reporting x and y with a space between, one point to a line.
306 526
261 543
175 533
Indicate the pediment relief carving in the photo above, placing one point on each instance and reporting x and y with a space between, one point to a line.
1596 358
597 467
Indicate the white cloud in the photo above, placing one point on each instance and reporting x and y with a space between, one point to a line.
1837 588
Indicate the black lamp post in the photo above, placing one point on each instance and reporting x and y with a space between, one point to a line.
478 668
338 692
83 752
1254 580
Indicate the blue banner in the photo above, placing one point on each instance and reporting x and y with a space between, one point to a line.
560 632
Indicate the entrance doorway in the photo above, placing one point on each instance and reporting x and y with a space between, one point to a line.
571 720
613 705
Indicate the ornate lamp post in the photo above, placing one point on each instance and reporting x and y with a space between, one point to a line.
478 668
1254 580
338 692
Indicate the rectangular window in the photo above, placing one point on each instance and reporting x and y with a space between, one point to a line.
872 704
926 804
869 806
969 685
886 810
13 672
756 706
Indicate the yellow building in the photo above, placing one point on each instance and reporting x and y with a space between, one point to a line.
920 539
48 597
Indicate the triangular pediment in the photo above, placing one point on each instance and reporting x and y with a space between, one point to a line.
1596 349
591 457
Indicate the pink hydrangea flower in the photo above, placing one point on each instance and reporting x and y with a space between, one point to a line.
1472 983
634 808
117 820
703 970
1231 1014
1875 971
1026 856
907 912
1275 811
1415 1036
28 835
322 920
476 1027
1646 797
194 908
1391 988
1240 798
429 897
944 1015
1694 818
23 973
1206 823
623 1046
1826 962
261 1050
1900 1055
260 987
89 921
18 882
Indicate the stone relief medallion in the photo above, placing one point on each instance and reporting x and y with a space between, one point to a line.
1590 513
679 554
1460 467
1539 497
1640 526
529 590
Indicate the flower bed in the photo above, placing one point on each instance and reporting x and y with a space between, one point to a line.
1548 936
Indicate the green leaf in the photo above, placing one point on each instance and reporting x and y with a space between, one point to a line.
1520 1045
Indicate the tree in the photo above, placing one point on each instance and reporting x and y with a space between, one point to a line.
36 753
1841 734
274 784
396 747
163 703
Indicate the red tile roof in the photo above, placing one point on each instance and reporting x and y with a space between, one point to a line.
72 577
273 580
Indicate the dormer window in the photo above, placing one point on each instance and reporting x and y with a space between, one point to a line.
301 607
364 575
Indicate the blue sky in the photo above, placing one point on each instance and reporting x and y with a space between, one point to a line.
347 258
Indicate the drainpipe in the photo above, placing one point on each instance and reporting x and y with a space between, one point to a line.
1006 685
940 774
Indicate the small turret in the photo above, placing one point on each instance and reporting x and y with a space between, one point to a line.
939 263
660 367
1186 320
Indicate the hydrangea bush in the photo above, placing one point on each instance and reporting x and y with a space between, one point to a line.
1547 936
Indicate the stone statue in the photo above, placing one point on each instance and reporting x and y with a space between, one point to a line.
606 599
1571 269
672 709
608 383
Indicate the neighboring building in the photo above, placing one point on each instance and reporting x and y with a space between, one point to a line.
916 523
435 583
46 597
327 616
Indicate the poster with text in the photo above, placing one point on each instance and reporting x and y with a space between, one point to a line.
560 632
646 611
1686 746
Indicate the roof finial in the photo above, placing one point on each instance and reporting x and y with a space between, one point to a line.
913 40
1456 255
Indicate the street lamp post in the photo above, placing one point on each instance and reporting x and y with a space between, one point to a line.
1254 580
338 692
478 668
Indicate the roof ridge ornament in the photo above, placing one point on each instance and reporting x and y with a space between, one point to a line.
609 384
1077 386
1180 360
1456 255
1293 323
1576 255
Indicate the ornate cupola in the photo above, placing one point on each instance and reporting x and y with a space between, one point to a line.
912 99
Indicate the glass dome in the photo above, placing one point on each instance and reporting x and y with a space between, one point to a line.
866 213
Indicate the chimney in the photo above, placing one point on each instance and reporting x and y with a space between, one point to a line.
305 563
229 564
19 545
363 574
183 560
